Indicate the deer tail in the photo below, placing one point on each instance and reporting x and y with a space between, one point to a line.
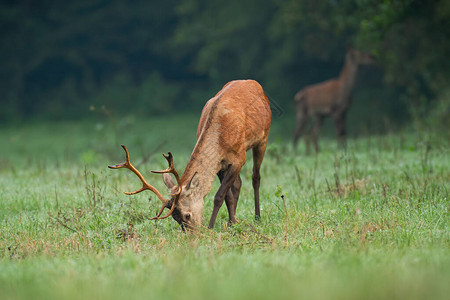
299 96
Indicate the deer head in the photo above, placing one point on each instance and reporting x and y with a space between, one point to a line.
189 203
360 57
187 213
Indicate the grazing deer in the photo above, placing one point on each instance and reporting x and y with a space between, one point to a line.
235 120
329 98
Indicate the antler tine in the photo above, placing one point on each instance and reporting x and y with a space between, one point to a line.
157 217
126 164
145 185
171 169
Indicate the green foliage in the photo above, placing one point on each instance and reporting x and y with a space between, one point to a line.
58 59
152 96
85 43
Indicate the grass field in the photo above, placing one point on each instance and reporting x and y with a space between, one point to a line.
371 222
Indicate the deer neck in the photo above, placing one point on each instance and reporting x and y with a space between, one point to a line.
205 161
348 76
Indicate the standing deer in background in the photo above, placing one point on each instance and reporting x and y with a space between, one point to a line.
235 120
330 98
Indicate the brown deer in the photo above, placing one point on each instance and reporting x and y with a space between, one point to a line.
237 119
330 98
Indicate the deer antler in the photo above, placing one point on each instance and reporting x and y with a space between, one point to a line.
172 170
146 186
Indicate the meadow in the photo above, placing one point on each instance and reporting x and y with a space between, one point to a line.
368 222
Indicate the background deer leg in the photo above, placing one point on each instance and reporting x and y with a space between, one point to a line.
302 120
229 176
258 155
339 122
315 131
308 143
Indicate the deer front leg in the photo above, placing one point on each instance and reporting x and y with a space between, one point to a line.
232 197
229 200
229 177
236 190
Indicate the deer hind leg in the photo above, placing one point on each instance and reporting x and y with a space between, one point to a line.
315 131
229 177
258 155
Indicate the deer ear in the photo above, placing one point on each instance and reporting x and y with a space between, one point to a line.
193 182
168 181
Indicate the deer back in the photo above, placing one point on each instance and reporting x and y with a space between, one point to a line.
236 119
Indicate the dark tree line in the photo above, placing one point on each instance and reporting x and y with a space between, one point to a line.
61 58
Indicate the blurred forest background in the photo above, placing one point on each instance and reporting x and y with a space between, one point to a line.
68 59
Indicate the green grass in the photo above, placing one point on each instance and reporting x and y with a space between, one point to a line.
368 223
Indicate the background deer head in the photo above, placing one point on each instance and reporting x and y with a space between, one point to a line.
360 57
